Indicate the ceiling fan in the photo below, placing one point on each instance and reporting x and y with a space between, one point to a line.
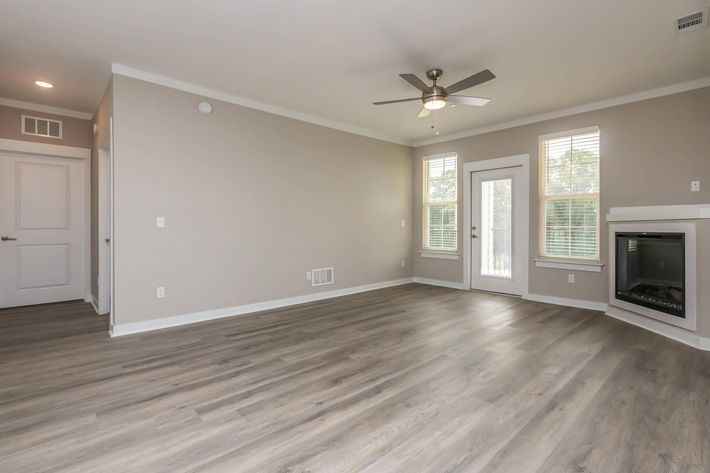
435 97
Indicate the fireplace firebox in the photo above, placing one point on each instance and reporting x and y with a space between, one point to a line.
650 271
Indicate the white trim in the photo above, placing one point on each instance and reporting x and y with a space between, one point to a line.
439 254
567 133
675 333
591 267
87 229
245 102
565 112
522 160
184 319
690 320
45 149
429 157
112 251
438 282
35 107
579 303
658 212
94 304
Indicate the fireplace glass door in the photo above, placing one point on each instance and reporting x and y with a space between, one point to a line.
650 270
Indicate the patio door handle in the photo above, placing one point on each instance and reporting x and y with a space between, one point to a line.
5 238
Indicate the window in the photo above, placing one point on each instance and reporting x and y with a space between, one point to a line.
569 195
440 178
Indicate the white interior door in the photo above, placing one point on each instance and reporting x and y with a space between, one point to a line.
43 228
497 251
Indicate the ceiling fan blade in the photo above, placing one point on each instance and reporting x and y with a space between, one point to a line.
464 100
416 82
424 113
396 101
480 78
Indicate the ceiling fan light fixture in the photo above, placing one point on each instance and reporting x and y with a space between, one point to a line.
435 103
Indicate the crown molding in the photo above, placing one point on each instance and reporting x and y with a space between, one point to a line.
35 107
133 73
565 112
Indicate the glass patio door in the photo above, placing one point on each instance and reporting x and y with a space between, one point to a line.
495 246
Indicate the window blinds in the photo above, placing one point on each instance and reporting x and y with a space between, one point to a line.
569 195
440 195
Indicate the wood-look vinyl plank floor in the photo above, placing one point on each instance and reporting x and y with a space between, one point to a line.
406 379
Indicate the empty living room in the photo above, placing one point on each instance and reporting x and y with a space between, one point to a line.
355 236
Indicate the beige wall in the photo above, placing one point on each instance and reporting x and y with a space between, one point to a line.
101 118
251 201
75 131
650 151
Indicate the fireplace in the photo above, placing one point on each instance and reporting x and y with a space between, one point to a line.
650 270
653 272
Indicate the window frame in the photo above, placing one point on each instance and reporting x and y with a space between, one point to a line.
543 199
426 247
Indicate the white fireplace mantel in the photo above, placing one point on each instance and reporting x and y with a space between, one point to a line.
659 212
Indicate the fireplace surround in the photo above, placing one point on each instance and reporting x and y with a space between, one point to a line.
653 270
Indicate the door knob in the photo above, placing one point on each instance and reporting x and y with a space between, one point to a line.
8 239
107 240
473 235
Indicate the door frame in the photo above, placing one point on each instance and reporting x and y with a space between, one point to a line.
104 286
520 160
64 152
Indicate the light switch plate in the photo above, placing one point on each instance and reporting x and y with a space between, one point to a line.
160 292
570 278
160 222
694 186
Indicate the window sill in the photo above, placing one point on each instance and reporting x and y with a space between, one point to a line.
452 255
591 266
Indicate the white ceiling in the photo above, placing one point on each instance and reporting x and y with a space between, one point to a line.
331 59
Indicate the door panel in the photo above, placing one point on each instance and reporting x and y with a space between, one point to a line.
48 209
42 266
496 247
42 214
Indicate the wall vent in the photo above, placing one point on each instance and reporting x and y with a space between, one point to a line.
691 21
321 276
44 127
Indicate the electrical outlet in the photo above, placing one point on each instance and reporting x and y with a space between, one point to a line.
570 278
694 186
160 292
402 263
403 223
160 222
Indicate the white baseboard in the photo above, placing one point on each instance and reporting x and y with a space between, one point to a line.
671 331
185 319
580 303
438 282
94 304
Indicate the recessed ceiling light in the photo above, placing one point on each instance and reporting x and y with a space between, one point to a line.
43 84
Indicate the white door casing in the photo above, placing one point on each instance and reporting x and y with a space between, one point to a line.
43 217
506 176
104 230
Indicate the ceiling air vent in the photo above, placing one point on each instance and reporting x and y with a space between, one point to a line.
691 22
321 276
45 127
